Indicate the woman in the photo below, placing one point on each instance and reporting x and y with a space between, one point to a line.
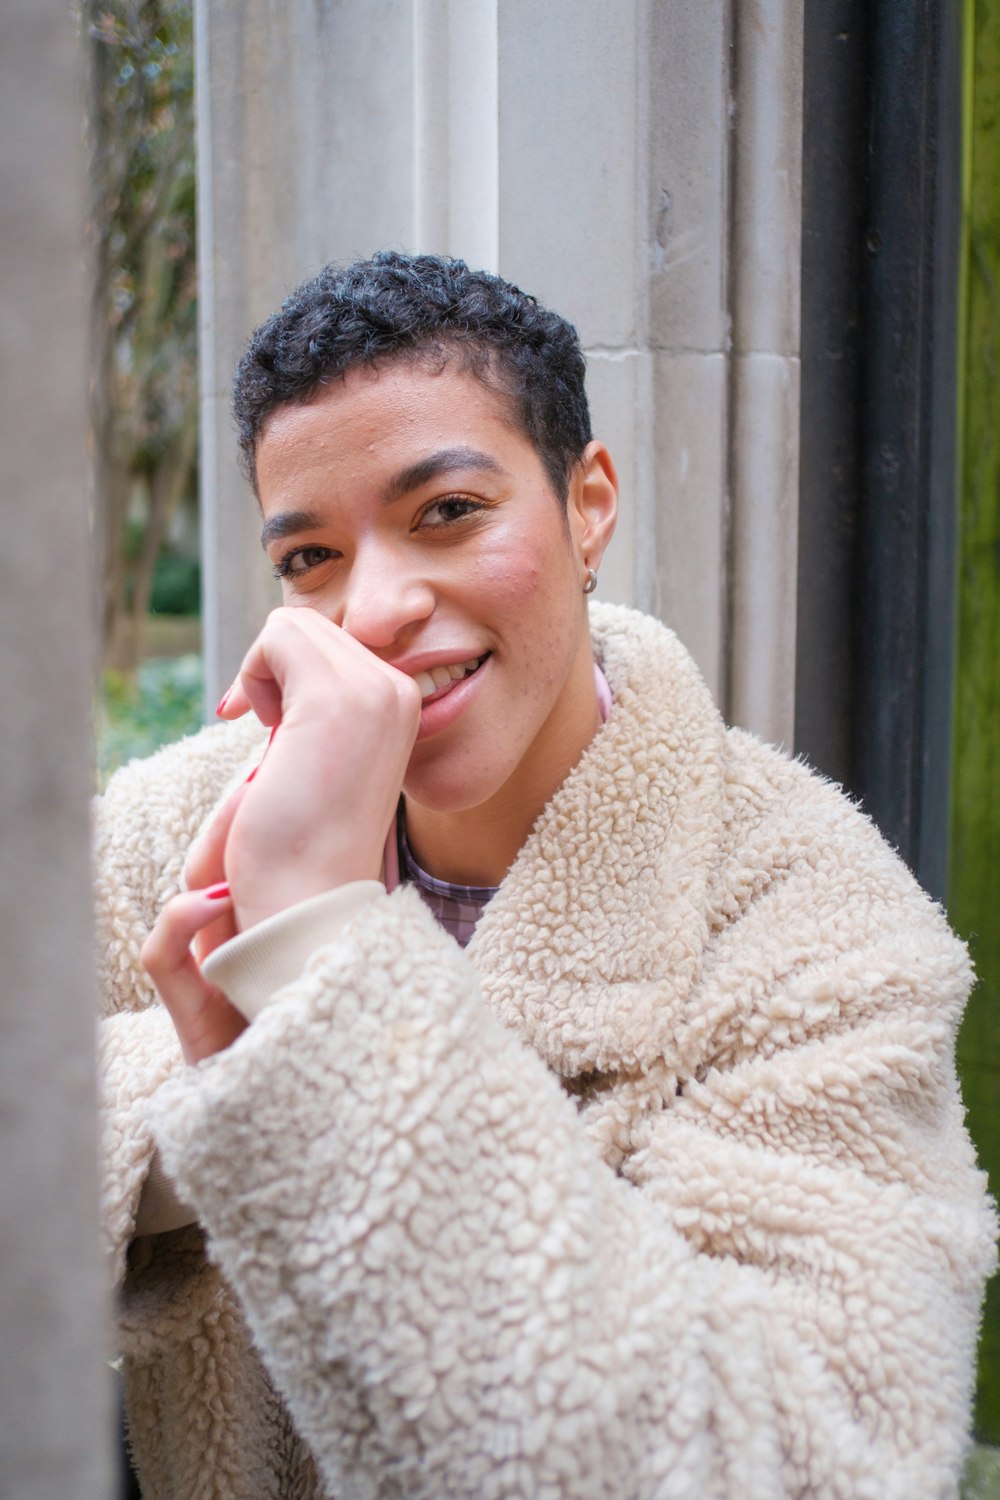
661 1186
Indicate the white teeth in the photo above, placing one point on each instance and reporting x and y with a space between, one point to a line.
439 677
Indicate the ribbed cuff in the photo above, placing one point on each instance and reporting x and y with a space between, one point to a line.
252 966
160 1205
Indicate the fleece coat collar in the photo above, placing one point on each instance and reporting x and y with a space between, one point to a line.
609 898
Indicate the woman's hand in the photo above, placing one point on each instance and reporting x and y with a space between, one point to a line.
205 1020
314 815
318 810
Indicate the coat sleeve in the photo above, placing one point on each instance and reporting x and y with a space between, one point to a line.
143 826
457 1295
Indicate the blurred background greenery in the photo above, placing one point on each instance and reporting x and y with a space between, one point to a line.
160 702
143 377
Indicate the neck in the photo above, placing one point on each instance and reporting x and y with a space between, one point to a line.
478 845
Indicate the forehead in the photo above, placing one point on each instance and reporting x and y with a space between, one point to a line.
374 420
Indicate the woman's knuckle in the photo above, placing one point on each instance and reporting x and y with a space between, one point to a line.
406 694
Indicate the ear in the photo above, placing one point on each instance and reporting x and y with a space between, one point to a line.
592 504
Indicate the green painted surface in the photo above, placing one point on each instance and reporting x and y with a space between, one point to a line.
974 883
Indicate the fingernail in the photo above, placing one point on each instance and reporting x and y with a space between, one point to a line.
222 702
270 737
252 774
218 892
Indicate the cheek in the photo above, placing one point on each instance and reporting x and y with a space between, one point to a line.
525 567
531 605
504 586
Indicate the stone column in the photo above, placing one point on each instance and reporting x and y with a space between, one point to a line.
456 148
766 278
55 1406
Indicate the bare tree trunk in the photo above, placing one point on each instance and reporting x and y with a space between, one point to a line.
166 489
142 313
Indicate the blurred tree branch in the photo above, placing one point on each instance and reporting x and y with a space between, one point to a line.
144 314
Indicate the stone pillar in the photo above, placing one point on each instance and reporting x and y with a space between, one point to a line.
55 1407
635 165
766 278
686 257
456 148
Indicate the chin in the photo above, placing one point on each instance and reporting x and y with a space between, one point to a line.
443 789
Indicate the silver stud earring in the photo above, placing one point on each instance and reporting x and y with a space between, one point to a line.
591 583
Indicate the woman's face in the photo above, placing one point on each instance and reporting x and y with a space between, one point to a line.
406 507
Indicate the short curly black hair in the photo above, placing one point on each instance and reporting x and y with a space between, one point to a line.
396 306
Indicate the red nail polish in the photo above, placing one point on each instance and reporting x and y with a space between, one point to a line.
218 892
252 775
222 702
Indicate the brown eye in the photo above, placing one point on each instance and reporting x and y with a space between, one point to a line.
300 560
449 510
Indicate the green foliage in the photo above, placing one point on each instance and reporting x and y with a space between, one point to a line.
176 585
136 716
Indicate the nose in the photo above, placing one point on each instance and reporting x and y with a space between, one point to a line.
384 595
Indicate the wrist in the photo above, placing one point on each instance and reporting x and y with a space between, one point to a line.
254 965
281 892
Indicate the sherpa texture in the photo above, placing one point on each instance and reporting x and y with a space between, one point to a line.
660 1189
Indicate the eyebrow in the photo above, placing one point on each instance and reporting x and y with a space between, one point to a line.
288 523
413 477
445 461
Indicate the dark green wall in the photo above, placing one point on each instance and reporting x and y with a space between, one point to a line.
974 875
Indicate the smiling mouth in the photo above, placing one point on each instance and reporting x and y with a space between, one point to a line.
440 680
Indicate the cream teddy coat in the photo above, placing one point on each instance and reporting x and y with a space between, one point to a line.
660 1189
